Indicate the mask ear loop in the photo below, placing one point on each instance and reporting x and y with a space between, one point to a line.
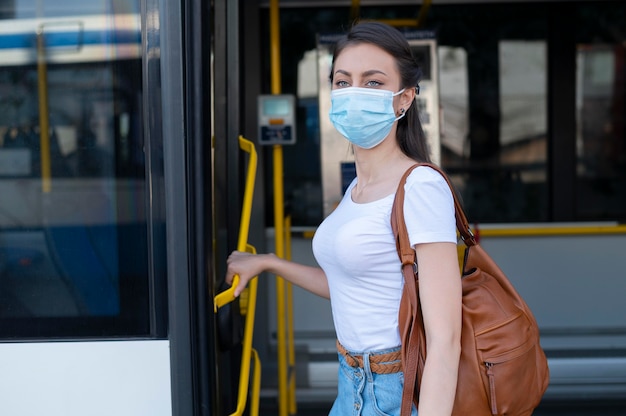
402 110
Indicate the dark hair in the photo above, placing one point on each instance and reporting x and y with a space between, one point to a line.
410 135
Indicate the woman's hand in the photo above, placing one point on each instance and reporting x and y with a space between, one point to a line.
246 266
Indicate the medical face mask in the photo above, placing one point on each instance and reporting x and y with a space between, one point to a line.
363 115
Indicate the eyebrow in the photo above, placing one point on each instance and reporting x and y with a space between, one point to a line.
366 73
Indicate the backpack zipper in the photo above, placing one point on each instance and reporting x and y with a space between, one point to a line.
492 387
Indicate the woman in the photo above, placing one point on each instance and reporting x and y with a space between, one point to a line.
374 82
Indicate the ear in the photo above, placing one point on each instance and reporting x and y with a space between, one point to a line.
406 98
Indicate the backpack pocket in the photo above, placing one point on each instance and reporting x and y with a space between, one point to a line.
509 371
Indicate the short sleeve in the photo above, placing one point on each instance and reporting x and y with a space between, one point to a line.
429 208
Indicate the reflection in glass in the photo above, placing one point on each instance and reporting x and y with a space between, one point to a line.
600 145
501 180
72 215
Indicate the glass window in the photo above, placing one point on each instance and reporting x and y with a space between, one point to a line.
502 180
73 250
600 145
454 101
507 117
26 9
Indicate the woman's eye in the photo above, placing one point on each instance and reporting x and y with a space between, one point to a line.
373 83
342 84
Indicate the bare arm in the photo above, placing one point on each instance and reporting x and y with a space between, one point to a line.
440 297
248 265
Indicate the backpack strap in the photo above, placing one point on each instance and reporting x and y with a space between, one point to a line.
409 337
409 334
462 224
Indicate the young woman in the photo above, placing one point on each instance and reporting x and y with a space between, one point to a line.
374 83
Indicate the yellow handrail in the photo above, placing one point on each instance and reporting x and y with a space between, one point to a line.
556 230
291 352
256 384
228 295
279 216
524 230
44 122
248 353
246 210
417 22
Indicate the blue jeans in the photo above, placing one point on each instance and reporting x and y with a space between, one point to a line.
363 393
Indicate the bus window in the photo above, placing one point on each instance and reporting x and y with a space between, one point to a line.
73 245
600 146
501 173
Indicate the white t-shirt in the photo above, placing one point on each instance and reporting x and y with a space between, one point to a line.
355 247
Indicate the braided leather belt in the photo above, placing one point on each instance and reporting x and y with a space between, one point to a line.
388 363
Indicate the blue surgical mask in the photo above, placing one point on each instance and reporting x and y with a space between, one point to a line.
363 115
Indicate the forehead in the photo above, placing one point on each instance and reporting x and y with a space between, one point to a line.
362 57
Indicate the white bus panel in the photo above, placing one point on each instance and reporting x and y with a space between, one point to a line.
99 378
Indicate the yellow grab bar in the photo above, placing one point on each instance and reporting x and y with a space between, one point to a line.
44 122
247 353
555 230
291 353
44 109
246 145
246 210
256 384
227 296
417 22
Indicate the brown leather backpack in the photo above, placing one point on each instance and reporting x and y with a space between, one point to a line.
503 369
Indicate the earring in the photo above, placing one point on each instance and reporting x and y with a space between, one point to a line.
401 111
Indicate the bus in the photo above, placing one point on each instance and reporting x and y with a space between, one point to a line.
128 148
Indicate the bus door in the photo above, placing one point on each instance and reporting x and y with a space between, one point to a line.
82 328
107 246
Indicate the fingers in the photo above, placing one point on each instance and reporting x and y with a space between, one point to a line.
241 286
238 272
230 271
